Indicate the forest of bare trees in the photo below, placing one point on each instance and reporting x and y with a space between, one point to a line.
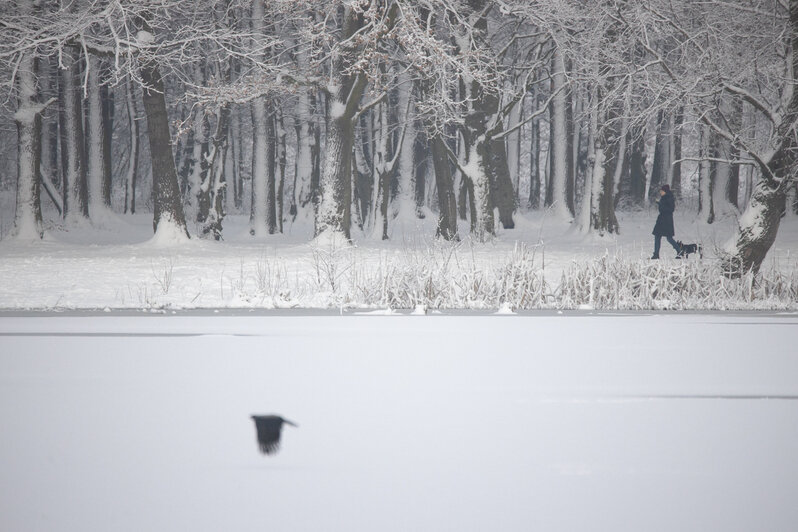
359 113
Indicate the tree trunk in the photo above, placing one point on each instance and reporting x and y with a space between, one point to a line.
344 94
231 173
28 216
168 210
50 168
334 212
502 193
237 147
676 184
447 218
513 147
421 159
660 170
759 224
133 161
637 168
534 159
197 161
76 205
706 209
405 203
96 152
382 170
108 114
556 192
571 152
281 162
263 218
604 152
211 193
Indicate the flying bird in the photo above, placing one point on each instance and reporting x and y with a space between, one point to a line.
269 429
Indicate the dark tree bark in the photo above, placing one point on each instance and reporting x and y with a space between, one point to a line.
447 219
534 160
335 205
109 111
280 154
571 150
166 200
421 159
73 153
503 194
676 185
660 170
637 168
131 178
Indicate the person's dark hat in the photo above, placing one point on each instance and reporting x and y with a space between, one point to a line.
665 188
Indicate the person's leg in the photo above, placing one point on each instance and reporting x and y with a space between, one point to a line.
657 239
675 245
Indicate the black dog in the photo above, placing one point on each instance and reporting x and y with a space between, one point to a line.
686 249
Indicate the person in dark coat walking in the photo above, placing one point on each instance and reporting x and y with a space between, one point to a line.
664 225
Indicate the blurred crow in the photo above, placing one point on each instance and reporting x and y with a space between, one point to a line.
269 428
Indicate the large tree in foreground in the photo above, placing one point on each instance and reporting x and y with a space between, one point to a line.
723 55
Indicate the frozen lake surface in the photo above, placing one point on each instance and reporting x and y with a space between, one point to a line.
407 423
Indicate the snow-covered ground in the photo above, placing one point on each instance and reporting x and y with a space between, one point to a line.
118 265
433 423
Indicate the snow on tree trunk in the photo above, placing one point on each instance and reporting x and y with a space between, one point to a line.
344 92
476 171
382 171
198 166
334 213
558 141
28 216
72 143
757 230
759 224
211 193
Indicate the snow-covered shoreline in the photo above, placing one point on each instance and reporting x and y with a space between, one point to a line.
540 265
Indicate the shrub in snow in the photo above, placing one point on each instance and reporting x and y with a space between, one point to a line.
615 283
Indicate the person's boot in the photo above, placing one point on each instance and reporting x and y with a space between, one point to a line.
655 256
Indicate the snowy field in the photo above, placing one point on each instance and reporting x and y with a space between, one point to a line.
117 264
549 422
